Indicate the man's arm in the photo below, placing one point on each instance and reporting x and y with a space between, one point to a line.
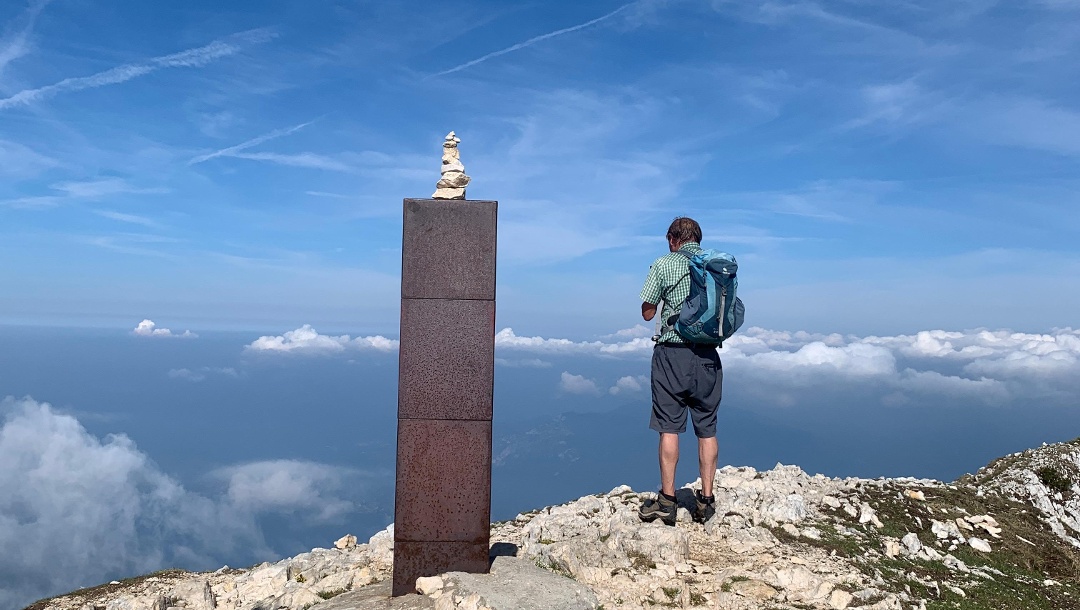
648 310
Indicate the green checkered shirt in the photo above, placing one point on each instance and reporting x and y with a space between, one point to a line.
669 280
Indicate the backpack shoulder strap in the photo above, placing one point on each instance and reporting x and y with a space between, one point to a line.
664 326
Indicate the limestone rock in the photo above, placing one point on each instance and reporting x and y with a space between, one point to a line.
911 543
516 583
753 589
345 542
453 181
840 599
426 585
979 544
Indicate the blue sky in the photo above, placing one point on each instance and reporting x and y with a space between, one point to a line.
243 168
213 196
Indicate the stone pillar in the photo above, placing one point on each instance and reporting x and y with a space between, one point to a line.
442 511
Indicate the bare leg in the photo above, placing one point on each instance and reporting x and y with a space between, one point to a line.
707 450
669 458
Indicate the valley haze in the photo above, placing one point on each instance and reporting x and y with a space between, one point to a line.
169 450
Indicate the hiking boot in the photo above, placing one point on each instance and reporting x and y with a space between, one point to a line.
704 508
661 508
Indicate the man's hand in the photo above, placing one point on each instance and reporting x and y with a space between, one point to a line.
648 310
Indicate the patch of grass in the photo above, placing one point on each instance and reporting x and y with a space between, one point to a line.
831 540
640 560
330 594
89 593
670 592
697 599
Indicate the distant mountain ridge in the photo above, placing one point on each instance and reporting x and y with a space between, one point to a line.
1006 537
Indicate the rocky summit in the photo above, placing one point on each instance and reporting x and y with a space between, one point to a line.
1006 537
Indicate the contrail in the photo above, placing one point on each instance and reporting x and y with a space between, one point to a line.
225 152
191 58
532 41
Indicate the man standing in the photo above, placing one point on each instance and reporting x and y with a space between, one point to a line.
686 377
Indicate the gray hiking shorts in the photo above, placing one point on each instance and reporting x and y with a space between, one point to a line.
685 378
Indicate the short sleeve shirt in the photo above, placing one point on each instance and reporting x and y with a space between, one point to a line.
669 280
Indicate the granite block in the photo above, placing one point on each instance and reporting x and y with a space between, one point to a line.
446 359
448 249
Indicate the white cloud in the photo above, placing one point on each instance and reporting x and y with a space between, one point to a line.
534 363
128 218
984 365
201 374
506 339
21 161
634 332
307 340
191 58
147 328
96 189
629 384
288 486
118 514
577 384
18 43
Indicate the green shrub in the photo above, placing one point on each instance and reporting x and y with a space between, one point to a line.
1052 478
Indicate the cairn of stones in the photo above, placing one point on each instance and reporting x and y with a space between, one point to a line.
453 182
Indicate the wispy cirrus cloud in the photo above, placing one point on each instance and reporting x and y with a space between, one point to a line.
128 218
534 40
17 43
304 159
190 58
63 192
232 151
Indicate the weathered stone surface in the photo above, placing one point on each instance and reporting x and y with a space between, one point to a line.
447 359
754 589
448 249
519 584
426 585
416 559
453 179
345 542
736 563
455 504
840 599
911 543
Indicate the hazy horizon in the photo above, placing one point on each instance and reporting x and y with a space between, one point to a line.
206 449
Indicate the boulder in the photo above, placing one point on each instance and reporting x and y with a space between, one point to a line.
520 585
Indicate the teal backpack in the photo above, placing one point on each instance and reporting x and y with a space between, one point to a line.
713 311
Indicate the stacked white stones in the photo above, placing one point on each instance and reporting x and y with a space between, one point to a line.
453 182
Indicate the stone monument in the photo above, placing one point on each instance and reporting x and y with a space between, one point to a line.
442 511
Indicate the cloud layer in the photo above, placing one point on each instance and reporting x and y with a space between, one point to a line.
990 366
147 328
307 340
118 514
